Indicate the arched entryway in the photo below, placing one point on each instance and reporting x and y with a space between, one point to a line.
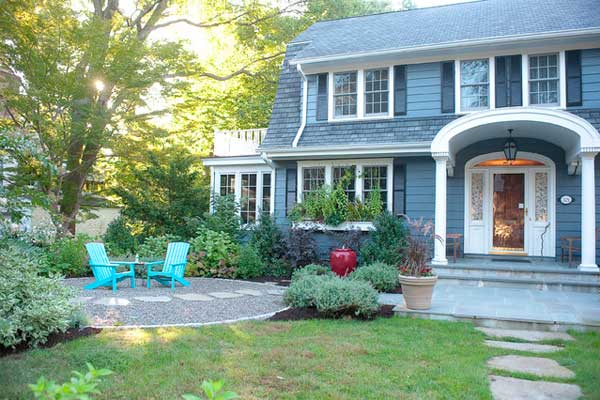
508 205
579 140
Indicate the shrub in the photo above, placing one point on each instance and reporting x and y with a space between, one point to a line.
303 292
336 296
249 264
382 277
214 253
301 247
225 216
269 243
387 242
156 246
80 387
31 306
311 269
118 237
67 256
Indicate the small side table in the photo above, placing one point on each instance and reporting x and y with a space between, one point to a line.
453 242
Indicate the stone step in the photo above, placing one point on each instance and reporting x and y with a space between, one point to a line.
529 347
505 388
538 366
529 335
519 282
533 271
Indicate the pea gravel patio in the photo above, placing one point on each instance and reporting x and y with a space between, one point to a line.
205 301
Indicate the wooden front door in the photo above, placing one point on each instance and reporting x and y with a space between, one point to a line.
509 212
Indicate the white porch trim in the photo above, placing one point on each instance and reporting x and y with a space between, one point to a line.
441 160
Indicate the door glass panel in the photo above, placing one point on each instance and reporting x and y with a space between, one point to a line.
509 212
541 196
477 197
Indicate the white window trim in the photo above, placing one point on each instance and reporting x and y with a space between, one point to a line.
458 85
562 80
360 96
329 164
216 173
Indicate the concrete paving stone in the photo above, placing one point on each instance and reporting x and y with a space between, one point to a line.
225 295
532 336
84 299
390 299
193 297
250 292
543 367
112 301
505 388
153 299
531 347
276 292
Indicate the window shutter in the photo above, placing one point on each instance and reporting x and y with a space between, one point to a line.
290 188
516 81
573 61
399 189
322 97
448 87
400 90
508 81
502 85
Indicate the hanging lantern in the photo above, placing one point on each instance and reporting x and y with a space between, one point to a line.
510 148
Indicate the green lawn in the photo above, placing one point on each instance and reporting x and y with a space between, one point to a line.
384 359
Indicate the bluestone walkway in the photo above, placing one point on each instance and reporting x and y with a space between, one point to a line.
561 310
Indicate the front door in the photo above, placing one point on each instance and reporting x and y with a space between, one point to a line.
508 230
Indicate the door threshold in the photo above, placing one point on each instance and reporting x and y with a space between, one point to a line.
508 253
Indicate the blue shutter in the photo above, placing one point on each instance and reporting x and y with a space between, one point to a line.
508 81
448 87
400 90
399 189
574 97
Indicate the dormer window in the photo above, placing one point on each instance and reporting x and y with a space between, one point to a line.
474 85
543 79
376 91
345 94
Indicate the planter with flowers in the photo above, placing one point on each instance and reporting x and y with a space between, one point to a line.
416 276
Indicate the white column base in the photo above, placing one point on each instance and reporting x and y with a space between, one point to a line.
443 261
588 268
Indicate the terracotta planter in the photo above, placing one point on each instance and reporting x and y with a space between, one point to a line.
342 261
417 291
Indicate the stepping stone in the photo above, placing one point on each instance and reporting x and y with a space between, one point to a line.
532 336
504 388
532 347
225 295
153 299
543 367
84 299
193 297
250 292
276 292
112 301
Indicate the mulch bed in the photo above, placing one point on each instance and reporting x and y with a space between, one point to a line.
53 340
305 313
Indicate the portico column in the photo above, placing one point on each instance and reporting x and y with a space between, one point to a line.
588 213
441 161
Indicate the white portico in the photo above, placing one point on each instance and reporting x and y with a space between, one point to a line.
517 197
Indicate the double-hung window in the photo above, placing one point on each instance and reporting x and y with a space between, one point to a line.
474 85
375 179
543 79
227 184
346 176
248 198
376 91
345 94
312 179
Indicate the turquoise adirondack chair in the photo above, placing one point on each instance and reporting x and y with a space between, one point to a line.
173 266
105 271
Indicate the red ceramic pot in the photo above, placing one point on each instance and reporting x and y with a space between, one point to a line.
343 261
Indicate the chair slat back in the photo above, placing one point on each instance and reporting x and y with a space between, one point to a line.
98 257
176 254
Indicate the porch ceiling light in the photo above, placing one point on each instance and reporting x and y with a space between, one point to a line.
510 148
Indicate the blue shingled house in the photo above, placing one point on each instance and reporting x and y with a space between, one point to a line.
484 116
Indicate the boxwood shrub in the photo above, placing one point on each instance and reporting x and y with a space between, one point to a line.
311 269
302 292
383 277
31 306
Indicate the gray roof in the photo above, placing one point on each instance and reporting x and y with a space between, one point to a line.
478 20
